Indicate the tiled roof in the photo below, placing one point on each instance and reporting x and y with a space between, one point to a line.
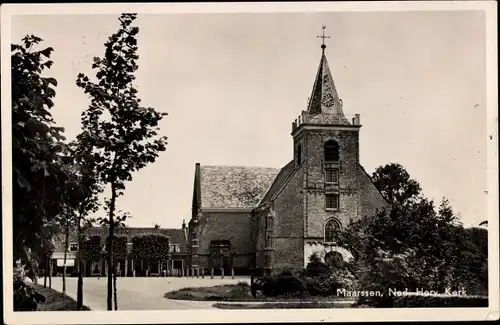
234 187
324 99
177 237
282 177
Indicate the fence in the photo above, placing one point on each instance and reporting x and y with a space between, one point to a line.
192 273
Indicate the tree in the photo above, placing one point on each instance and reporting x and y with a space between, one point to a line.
413 245
395 184
73 200
37 146
90 187
122 131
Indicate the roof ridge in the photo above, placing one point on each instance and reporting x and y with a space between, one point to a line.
240 166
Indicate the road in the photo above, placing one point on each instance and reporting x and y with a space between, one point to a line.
141 293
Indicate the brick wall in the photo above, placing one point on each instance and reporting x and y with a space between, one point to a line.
288 241
233 226
348 187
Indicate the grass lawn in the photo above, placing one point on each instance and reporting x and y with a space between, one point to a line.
54 300
232 292
270 305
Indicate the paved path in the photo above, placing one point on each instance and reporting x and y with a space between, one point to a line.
141 293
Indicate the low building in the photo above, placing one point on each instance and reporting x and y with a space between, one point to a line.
95 262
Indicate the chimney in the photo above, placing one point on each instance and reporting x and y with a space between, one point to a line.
357 119
183 223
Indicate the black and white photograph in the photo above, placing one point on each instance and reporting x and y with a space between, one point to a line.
239 162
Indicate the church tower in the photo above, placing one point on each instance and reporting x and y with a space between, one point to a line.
326 146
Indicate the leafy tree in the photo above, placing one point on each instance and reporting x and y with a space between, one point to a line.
471 261
395 184
38 179
122 131
413 245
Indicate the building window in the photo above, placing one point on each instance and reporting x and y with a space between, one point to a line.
299 154
269 222
332 201
73 247
332 175
269 231
331 151
129 247
174 248
331 228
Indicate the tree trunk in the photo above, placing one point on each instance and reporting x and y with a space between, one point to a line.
66 246
46 270
114 286
50 271
79 289
110 246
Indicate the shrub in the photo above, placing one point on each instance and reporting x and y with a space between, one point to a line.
280 285
25 297
91 248
327 285
316 267
432 301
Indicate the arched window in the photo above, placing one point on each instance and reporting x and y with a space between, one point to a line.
299 154
331 151
331 228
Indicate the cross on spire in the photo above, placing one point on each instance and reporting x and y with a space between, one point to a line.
323 46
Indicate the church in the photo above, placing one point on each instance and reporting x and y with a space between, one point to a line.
271 219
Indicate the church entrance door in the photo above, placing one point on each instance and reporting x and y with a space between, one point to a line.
220 256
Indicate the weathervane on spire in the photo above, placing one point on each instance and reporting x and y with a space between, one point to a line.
323 46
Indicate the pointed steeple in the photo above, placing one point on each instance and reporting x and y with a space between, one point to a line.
324 97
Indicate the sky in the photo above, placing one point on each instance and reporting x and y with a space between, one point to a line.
233 83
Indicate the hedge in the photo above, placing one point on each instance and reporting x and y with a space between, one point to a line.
150 247
119 246
91 248
422 301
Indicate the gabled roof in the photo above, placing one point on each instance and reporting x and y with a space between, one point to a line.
234 186
279 181
177 237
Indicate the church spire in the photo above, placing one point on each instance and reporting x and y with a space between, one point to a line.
324 97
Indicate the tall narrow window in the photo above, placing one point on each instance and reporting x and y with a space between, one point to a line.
332 175
269 231
331 151
331 228
332 201
299 154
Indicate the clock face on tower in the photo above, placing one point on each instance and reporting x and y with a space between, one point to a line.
328 100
